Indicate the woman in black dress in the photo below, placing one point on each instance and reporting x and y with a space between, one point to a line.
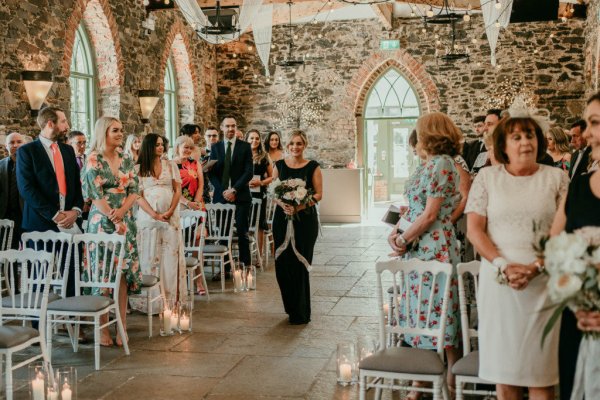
581 208
292 274
262 172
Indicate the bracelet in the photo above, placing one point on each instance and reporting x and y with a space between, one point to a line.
540 268
500 263
402 240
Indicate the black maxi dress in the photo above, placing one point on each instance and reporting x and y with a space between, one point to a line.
292 275
582 209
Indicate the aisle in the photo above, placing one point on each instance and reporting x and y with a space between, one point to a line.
242 346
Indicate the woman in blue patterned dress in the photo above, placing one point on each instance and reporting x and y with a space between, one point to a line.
432 197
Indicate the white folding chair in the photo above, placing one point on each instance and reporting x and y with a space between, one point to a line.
253 227
218 242
6 233
150 234
269 240
109 251
466 370
193 231
30 303
407 363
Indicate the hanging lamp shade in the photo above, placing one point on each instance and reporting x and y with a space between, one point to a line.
148 100
37 85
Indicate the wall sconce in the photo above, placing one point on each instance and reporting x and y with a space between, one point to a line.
148 100
37 85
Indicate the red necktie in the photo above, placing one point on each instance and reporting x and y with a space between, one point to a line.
59 168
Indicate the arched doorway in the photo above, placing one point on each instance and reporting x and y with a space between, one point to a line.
390 114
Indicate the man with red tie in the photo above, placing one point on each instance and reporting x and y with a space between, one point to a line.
48 179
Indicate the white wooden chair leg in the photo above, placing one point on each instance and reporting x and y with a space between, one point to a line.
96 342
148 312
223 273
49 338
459 390
75 336
9 377
437 390
363 388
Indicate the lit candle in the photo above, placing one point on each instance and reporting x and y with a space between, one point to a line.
66 392
37 387
174 318
184 323
346 372
237 280
250 279
52 395
167 320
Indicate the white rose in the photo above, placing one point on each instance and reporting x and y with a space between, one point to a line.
573 266
289 195
563 286
301 193
564 247
596 256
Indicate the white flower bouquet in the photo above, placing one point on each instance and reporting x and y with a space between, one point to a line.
572 262
292 192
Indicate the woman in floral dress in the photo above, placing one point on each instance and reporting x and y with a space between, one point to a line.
109 180
432 198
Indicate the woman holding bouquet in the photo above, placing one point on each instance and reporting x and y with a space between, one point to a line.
291 270
505 203
580 208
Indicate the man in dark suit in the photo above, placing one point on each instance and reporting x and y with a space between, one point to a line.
230 177
11 203
475 153
78 142
48 180
581 157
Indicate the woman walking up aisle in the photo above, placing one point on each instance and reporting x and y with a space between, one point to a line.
292 273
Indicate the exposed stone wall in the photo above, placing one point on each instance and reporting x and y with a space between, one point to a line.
39 35
592 35
351 61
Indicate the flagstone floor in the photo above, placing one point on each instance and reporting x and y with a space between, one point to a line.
242 346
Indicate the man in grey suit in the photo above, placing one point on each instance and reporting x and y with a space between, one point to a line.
11 203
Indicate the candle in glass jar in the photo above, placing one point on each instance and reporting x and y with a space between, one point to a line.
167 320
237 279
250 279
346 372
184 323
52 395
37 387
66 392
174 318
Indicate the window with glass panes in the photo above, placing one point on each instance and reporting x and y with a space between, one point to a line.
83 85
392 96
170 98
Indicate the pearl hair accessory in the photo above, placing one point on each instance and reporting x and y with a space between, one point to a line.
520 109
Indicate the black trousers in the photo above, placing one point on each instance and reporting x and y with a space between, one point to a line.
242 215
568 349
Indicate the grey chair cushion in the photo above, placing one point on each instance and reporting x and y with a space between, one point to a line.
81 303
7 302
192 262
404 360
215 248
149 280
11 336
468 365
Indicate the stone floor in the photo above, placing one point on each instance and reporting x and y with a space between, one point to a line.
242 346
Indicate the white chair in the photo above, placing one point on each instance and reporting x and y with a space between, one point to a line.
6 233
108 249
151 234
253 226
29 304
218 242
466 370
269 240
407 363
192 229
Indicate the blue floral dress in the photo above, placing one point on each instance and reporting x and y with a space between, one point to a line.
437 178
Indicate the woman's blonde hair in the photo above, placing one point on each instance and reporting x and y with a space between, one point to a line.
99 137
561 140
181 141
439 135
298 133
129 144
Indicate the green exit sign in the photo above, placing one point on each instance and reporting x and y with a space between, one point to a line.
389 44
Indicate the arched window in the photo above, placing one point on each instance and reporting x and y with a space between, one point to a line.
392 96
83 84
170 102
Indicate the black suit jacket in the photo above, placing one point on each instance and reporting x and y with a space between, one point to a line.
4 182
240 172
38 186
583 164
471 151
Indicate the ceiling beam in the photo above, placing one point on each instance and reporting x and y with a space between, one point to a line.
457 3
385 13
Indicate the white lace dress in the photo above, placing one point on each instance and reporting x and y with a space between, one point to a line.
511 322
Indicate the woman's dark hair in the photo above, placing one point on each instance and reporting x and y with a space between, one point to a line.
261 154
506 127
189 129
147 153
268 139
412 139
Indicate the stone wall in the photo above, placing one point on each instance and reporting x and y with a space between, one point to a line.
350 62
39 35
591 54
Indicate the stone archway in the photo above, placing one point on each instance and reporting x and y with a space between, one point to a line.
101 26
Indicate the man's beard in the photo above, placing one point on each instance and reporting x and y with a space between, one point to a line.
60 136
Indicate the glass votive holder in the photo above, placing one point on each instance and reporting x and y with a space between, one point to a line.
238 277
185 316
366 346
38 379
250 277
347 363
167 310
66 378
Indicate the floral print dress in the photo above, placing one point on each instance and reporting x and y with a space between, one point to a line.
437 178
99 182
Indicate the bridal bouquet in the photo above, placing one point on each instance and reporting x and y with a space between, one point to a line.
292 192
572 261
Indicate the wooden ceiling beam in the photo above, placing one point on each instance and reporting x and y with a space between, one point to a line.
385 13
457 3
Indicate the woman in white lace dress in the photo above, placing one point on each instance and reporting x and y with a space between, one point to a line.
160 190
505 202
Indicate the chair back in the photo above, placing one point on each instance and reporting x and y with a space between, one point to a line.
61 245
193 231
99 264
415 284
220 219
30 272
6 233
270 211
468 309
254 215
